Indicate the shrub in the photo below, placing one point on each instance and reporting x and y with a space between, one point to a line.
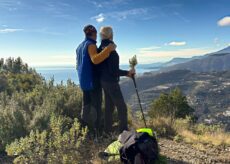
12 125
55 146
173 105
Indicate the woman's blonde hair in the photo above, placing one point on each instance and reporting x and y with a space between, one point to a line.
106 32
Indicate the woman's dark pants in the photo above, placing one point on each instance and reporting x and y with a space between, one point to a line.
114 98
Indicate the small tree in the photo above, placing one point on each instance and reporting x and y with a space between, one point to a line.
9 64
173 105
17 65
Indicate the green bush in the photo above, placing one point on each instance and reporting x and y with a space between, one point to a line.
12 125
55 145
22 112
173 105
27 101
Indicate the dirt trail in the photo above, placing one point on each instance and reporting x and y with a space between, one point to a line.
186 153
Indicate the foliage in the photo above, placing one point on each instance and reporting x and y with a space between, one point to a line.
17 76
21 82
14 66
173 105
27 101
35 108
12 125
54 146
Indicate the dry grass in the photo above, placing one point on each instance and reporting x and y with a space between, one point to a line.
184 130
217 139
163 126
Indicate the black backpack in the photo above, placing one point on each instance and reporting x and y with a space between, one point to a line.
138 148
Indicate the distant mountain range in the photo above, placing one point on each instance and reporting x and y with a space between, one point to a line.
205 80
223 51
217 61
206 62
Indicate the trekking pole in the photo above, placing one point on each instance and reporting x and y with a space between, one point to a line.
132 64
139 100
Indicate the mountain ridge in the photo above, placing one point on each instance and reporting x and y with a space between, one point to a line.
216 61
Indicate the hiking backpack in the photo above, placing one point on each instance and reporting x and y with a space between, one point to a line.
138 148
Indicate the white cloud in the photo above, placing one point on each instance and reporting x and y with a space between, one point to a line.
121 15
146 49
141 13
99 18
225 21
174 43
11 5
110 3
9 30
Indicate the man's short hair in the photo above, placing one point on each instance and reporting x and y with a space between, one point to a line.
89 30
106 32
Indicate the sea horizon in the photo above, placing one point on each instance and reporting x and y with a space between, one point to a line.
64 73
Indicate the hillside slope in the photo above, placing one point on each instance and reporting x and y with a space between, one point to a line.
207 93
217 61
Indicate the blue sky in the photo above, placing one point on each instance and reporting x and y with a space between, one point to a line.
47 32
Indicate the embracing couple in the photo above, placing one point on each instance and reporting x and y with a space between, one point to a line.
98 68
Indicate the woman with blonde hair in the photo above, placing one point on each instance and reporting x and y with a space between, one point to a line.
109 77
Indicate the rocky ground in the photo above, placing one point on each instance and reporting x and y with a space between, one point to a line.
178 153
